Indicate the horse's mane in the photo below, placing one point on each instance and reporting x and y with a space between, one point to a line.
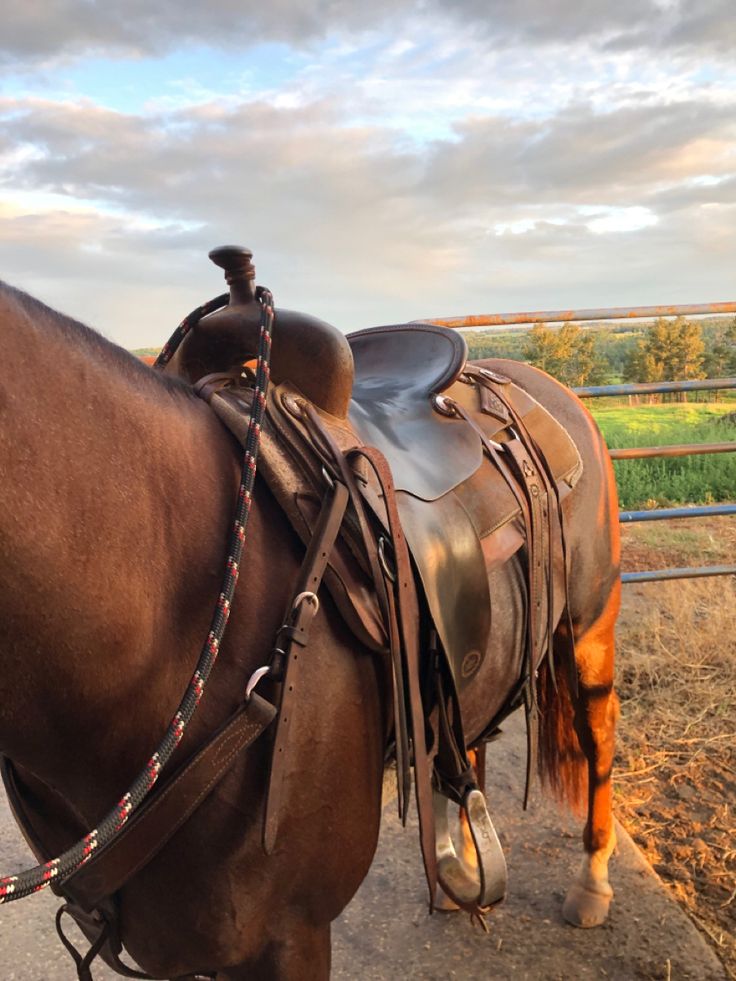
98 346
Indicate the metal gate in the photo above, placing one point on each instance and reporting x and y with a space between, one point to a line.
683 449
604 391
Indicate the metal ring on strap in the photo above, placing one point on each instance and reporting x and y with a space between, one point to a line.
443 405
387 570
255 678
310 597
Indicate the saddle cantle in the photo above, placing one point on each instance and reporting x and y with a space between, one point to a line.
398 371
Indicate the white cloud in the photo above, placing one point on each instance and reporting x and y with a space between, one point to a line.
57 30
622 220
518 227
428 164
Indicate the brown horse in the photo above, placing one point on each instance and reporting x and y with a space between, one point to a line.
118 490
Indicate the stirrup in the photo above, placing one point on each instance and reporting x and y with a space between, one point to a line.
471 891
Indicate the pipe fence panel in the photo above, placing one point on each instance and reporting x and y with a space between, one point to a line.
596 313
684 449
642 388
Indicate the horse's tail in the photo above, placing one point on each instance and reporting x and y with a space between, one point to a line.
563 767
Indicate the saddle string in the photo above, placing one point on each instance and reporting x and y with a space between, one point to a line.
406 613
291 643
33 880
565 649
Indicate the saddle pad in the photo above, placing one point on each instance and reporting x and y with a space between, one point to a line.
397 371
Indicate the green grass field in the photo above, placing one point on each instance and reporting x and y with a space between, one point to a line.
680 480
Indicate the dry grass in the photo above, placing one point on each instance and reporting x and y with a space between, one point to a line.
676 773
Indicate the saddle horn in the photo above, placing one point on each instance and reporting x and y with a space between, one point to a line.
308 352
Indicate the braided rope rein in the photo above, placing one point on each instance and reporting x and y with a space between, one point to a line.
33 880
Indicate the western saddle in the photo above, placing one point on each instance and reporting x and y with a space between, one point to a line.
409 474
450 470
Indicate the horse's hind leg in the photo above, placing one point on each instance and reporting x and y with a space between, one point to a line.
594 719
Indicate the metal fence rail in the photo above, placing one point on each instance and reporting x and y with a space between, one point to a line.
595 313
659 575
665 514
654 388
646 388
677 449
684 449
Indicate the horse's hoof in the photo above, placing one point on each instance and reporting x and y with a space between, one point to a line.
443 903
585 908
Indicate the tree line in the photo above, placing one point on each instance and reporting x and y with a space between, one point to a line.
664 350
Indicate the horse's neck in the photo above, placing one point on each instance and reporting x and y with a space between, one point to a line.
113 493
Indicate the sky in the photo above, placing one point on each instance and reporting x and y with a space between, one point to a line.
385 161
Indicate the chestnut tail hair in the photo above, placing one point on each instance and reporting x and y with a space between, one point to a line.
563 767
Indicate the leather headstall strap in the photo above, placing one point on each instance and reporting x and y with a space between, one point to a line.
90 890
168 809
291 642
102 926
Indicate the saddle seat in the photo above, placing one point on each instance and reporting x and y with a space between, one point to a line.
398 371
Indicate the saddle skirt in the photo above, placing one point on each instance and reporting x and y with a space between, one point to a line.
459 512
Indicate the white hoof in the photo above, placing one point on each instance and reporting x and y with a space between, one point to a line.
586 908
